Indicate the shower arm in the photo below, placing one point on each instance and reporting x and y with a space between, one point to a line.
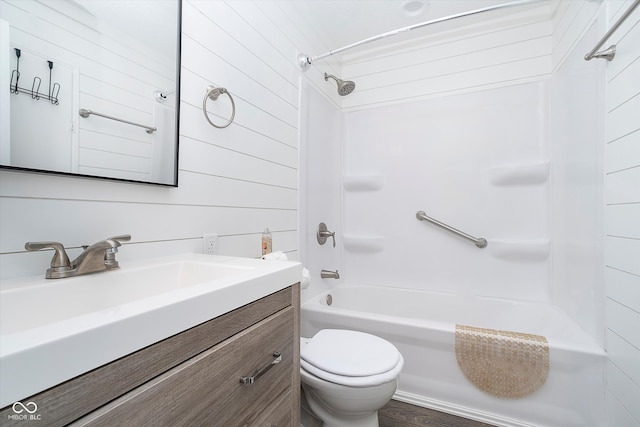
305 60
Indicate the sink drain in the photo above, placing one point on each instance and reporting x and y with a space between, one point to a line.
329 299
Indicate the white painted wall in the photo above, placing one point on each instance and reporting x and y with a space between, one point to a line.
42 134
239 180
622 219
98 69
576 116
5 75
476 53
593 200
235 181
619 146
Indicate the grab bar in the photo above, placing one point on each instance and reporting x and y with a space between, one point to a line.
86 113
610 52
479 242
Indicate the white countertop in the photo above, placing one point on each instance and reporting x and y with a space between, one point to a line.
54 330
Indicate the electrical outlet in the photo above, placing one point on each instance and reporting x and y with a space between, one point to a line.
210 244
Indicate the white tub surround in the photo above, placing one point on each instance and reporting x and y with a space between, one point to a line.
422 326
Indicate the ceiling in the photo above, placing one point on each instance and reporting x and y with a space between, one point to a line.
338 23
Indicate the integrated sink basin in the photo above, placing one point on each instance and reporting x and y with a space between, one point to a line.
53 330
50 301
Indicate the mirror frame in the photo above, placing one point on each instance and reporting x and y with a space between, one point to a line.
177 132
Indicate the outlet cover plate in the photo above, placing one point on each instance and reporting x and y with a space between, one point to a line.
210 244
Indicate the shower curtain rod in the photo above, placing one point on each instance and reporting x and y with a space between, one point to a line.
305 60
610 52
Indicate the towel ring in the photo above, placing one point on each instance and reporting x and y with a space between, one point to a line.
213 93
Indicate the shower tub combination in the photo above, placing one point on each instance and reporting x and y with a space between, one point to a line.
421 324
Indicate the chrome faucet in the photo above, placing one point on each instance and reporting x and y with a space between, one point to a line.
100 256
328 274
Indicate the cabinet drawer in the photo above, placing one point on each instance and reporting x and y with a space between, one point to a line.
206 390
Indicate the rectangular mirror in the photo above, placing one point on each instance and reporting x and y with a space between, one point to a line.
91 88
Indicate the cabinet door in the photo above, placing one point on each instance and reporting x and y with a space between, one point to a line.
206 390
279 414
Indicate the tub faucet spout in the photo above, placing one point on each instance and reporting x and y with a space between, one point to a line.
328 274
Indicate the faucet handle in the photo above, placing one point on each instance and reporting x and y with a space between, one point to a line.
110 254
116 241
60 258
323 234
122 238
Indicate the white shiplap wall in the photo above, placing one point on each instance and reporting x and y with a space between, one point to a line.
577 155
234 181
571 20
114 76
489 51
622 220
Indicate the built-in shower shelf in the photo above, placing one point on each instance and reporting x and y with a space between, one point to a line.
522 174
520 249
363 182
363 243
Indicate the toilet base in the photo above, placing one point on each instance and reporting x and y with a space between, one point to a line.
335 418
307 417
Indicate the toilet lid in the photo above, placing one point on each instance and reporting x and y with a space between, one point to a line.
350 353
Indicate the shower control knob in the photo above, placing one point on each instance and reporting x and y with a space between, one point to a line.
323 234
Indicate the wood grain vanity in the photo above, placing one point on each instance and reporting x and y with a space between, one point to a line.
192 378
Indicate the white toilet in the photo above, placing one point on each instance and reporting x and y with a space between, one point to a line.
347 376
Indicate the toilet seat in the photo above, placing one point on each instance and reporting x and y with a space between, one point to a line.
351 358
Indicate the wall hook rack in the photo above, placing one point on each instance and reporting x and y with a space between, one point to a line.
54 88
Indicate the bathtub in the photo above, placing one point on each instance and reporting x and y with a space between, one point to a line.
422 326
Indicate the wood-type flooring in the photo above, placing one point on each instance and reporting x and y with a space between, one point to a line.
399 414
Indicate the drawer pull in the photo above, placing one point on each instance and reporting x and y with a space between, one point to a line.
277 358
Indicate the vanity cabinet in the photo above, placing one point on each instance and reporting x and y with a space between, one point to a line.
194 378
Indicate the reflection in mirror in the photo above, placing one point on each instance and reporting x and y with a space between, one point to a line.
118 59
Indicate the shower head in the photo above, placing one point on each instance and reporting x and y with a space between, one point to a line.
344 87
